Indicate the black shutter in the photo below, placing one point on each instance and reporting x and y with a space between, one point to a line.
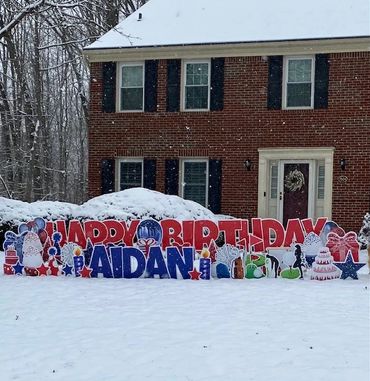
150 174
321 80
109 87
107 176
173 85
217 84
172 177
214 184
151 79
275 80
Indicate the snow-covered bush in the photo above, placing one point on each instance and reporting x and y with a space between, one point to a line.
125 205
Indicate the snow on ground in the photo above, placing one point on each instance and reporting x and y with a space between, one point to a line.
171 330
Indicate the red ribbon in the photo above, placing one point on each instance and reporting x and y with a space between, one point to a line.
144 244
339 246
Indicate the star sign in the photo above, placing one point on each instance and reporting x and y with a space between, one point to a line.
85 272
18 269
194 274
67 270
348 267
42 270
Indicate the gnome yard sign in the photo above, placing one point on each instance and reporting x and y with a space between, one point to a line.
191 249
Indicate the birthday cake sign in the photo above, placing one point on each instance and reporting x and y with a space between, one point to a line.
193 249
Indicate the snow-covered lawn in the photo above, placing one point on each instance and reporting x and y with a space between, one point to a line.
174 330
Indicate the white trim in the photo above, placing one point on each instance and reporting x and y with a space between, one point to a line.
266 155
121 160
246 49
285 81
182 171
119 85
183 84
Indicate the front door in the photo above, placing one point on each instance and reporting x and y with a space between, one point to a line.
294 190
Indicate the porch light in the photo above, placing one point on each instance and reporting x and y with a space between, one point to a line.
342 163
248 164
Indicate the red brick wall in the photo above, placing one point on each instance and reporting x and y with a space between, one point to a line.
245 124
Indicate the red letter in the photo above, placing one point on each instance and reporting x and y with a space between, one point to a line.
76 233
243 242
204 232
188 233
96 231
269 224
317 229
294 232
230 227
255 239
115 231
171 233
62 229
129 232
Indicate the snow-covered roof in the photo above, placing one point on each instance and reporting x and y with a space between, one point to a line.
185 22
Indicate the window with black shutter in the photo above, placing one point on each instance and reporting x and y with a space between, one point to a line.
298 82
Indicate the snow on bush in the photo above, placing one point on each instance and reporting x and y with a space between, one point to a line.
141 203
124 205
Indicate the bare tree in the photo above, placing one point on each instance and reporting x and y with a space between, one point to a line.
44 93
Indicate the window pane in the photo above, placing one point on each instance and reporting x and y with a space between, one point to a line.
197 74
321 182
299 70
195 181
132 99
131 175
196 97
299 95
132 76
274 181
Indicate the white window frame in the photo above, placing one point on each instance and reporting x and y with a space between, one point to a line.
182 170
183 85
120 161
119 84
285 81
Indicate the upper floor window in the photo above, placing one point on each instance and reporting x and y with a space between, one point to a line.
194 180
132 87
298 84
196 85
130 173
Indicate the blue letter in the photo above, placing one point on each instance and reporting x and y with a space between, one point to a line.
100 262
116 255
156 264
184 261
133 253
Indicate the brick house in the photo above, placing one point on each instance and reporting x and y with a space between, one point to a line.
265 117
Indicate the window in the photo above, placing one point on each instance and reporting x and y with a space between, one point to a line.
194 180
130 173
298 82
321 181
274 176
197 88
132 87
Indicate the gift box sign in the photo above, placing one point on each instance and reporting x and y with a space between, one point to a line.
339 246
